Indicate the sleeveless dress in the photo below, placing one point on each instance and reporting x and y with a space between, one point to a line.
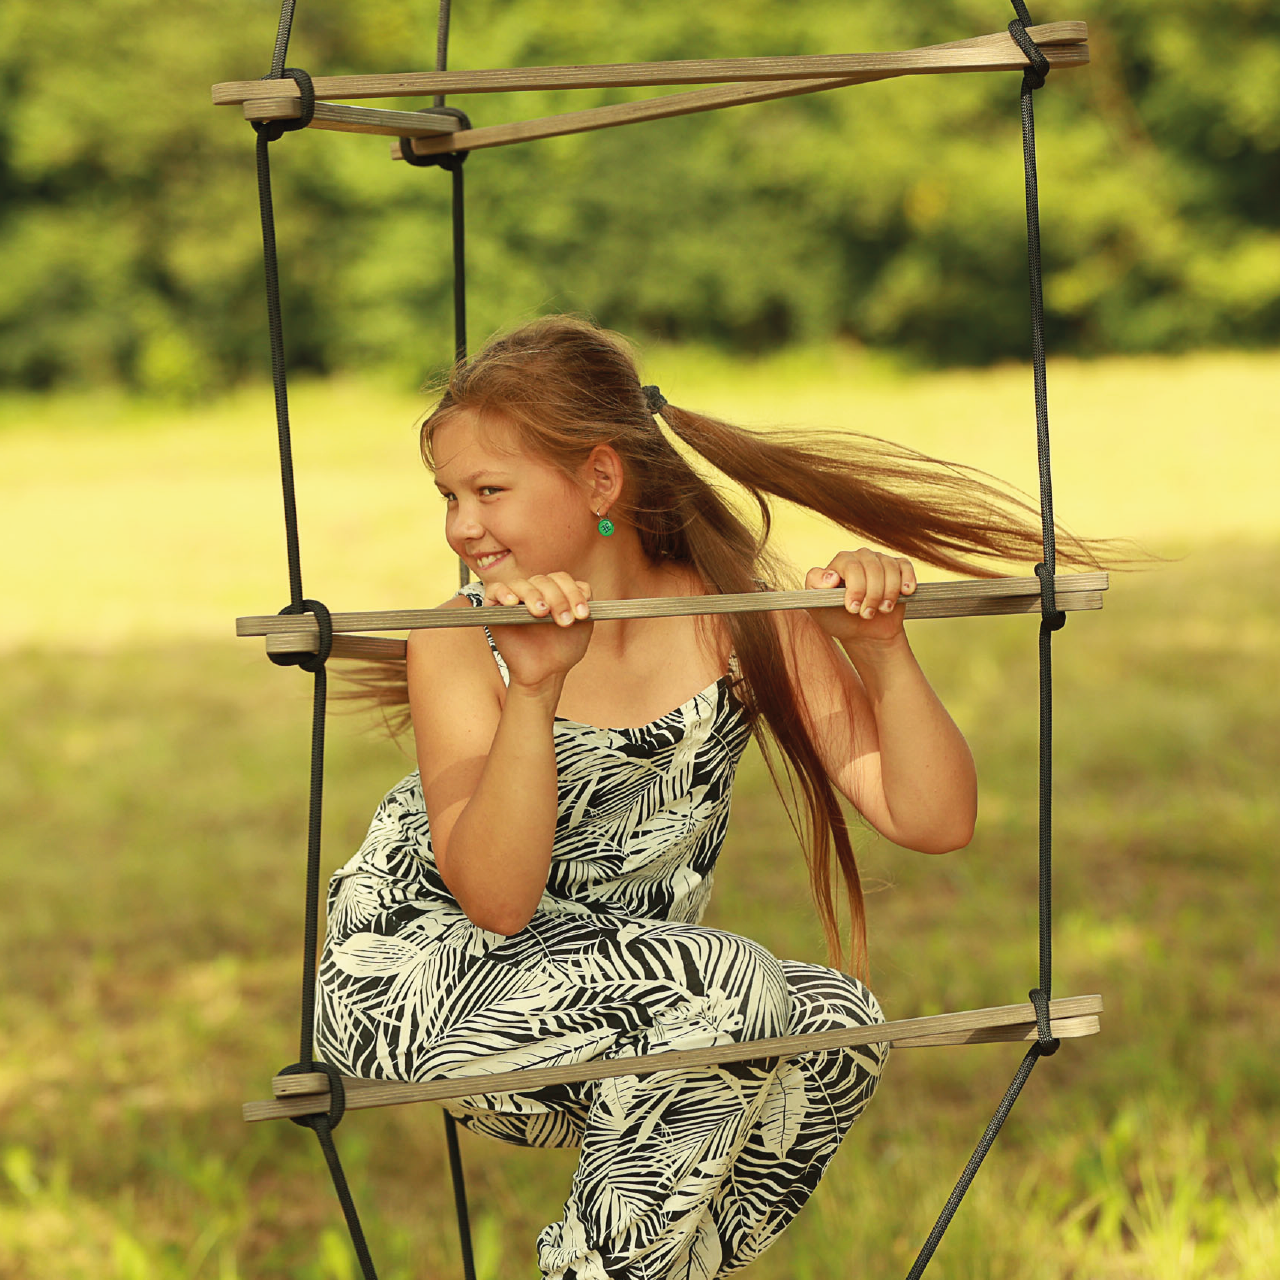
681 1175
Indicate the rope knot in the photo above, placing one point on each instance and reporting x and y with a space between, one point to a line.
1034 76
311 662
1051 617
1046 1043
337 1094
449 161
273 129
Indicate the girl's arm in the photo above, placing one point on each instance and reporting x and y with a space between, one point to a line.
886 741
487 761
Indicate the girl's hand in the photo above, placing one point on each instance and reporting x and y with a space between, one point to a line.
873 587
538 655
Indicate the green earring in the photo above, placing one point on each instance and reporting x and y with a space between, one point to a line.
605 526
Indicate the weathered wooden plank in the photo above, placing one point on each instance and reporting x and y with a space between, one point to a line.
377 648
342 118
967 598
995 52
610 117
1074 1016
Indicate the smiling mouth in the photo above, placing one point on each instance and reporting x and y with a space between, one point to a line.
489 559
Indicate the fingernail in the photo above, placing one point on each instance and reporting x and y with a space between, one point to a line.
566 616
868 612
886 606
829 576
581 610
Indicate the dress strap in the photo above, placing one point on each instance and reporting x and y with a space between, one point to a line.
474 592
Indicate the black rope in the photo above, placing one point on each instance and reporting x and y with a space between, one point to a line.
283 31
452 162
324 1135
278 382
459 1197
1051 620
322 1125
273 129
442 44
1051 617
975 1162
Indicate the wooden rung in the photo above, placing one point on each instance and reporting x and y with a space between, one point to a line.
972 597
367 648
1062 43
1074 1015
663 108
620 113
1061 1028
312 1083
379 649
347 119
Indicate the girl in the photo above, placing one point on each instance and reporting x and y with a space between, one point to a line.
531 894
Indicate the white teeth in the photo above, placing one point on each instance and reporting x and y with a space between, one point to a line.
485 561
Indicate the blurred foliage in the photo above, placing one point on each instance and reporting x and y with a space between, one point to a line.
890 214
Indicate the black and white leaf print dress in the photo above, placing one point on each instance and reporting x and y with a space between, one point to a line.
680 1175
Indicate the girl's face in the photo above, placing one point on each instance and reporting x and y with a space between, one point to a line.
509 514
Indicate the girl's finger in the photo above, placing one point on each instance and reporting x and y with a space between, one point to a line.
555 601
575 601
854 574
908 576
892 584
817 578
500 593
873 572
530 594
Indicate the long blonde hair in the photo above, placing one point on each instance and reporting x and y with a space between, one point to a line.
567 386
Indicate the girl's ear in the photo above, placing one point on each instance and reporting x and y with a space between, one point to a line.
602 473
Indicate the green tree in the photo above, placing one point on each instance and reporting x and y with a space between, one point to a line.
890 213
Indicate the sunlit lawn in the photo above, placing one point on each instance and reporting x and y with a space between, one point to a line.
153 787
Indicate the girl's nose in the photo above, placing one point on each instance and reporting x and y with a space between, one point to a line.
466 524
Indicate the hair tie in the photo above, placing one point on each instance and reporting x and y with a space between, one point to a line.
654 399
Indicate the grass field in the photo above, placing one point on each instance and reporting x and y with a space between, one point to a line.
150 856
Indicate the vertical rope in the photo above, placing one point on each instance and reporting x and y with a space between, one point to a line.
275 332
1051 620
323 1125
442 44
460 1197
283 31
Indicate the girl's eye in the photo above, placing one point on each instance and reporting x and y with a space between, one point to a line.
488 489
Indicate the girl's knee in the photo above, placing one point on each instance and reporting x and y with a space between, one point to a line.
754 978
828 1000
734 984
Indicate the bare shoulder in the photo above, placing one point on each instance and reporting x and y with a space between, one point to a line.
451 669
